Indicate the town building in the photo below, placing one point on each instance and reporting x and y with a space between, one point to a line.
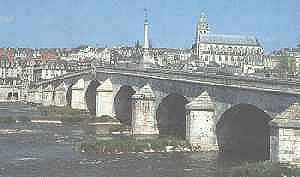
53 68
84 52
292 52
297 59
224 50
286 61
171 57
10 69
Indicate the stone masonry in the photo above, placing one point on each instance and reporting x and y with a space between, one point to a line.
285 136
200 123
78 95
143 113
48 94
60 96
104 99
270 96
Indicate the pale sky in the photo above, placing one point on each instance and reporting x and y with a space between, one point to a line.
69 23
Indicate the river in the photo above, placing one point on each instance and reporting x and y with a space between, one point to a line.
48 150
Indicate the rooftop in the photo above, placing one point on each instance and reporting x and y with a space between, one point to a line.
229 39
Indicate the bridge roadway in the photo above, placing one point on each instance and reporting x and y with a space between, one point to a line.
212 79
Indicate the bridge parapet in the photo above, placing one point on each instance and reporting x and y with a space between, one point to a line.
241 82
267 85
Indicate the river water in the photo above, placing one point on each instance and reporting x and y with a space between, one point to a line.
48 150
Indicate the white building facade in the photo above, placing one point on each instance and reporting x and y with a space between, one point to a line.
224 50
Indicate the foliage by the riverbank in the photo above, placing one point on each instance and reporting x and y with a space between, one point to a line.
119 128
67 114
8 119
135 145
104 118
14 119
64 114
55 110
265 169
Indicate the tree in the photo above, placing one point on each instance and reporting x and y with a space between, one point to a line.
286 65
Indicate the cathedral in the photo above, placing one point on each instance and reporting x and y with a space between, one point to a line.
225 50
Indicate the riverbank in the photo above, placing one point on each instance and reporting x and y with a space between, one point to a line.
265 169
8 120
63 114
132 145
51 114
67 114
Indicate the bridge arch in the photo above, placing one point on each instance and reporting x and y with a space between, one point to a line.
9 95
90 96
123 105
243 130
60 93
15 95
69 95
70 84
170 115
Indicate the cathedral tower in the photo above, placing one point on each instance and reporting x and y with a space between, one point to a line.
202 26
201 29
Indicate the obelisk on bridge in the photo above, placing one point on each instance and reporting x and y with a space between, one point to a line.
146 31
147 60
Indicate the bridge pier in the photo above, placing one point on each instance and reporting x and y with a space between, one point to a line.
60 94
78 95
48 94
30 95
200 123
144 122
38 95
104 99
285 136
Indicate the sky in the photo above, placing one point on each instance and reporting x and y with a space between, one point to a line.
70 23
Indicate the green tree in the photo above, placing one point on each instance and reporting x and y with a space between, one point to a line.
286 65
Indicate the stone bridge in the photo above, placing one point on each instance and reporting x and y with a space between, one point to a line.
230 113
